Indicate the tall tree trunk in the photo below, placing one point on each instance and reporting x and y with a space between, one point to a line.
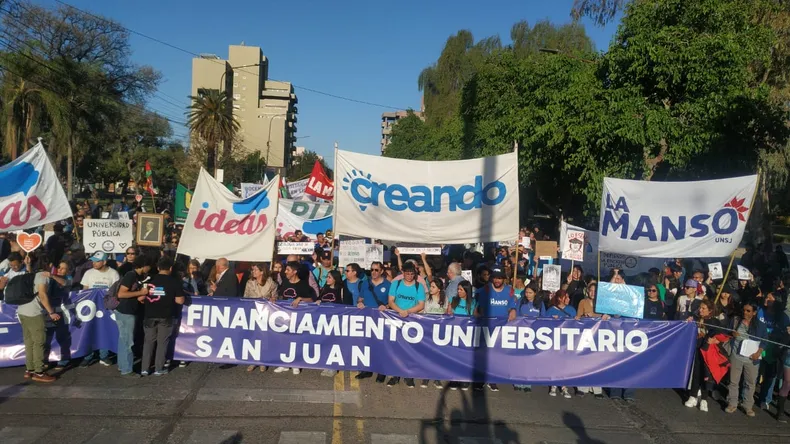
29 119
211 157
70 168
11 140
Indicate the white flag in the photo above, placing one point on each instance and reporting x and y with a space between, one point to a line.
221 224
462 201
675 219
30 193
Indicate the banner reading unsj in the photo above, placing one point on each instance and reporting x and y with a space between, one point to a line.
460 201
675 219
221 224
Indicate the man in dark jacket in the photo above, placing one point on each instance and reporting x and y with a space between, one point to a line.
227 284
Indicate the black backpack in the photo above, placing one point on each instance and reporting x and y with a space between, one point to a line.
19 290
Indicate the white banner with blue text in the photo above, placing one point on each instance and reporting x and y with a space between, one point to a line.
453 202
675 219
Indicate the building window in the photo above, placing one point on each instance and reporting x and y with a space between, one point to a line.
236 96
235 84
235 74
236 107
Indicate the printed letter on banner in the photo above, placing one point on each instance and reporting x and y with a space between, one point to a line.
221 224
310 217
30 193
461 201
675 219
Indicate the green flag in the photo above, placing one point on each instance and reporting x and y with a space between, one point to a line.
183 202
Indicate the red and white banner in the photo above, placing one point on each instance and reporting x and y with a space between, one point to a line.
30 193
318 184
221 224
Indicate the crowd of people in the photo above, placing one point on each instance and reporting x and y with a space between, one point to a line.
147 286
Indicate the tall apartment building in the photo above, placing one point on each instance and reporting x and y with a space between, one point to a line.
388 120
265 109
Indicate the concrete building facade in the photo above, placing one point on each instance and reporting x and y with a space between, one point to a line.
388 121
265 109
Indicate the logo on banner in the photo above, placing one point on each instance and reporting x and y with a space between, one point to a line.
723 222
222 222
20 178
420 198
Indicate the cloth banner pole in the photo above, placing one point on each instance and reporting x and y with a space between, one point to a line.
726 275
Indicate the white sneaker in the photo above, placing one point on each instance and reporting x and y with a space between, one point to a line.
280 369
566 393
553 391
703 406
296 371
692 402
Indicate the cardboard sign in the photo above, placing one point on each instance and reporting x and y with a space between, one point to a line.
295 248
620 299
362 254
467 274
552 277
123 215
744 274
715 271
413 248
574 245
546 248
107 235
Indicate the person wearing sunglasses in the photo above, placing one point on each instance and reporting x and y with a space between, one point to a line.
376 298
744 359
654 307
128 261
688 304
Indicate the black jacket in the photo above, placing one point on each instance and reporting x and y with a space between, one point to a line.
228 285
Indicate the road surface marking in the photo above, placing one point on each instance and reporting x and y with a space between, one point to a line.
212 436
376 438
337 409
360 421
302 438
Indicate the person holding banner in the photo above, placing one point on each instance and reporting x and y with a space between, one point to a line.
377 297
526 306
333 290
435 303
295 291
406 297
463 304
560 309
165 292
747 346
131 288
701 378
261 286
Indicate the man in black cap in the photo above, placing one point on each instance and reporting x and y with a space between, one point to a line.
321 271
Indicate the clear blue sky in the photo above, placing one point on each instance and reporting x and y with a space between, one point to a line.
366 50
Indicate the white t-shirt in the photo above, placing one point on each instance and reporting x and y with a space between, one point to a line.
94 278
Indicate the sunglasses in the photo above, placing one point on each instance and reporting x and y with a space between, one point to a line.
349 270
375 269
652 290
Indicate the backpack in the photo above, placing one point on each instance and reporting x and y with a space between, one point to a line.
111 300
20 289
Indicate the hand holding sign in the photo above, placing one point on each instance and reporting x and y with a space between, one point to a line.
744 274
715 270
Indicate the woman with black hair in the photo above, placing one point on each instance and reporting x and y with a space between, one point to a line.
435 300
746 328
529 306
701 379
463 304
332 291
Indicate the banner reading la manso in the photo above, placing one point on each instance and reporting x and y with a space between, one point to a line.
675 219
30 193
615 353
221 224
462 201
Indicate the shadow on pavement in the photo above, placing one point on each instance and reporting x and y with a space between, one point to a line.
573 422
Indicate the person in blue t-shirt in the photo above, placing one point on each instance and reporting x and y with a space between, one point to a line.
355 284
493 301
464 303
321 272
561 309
495 297
406 297
530 306
377 297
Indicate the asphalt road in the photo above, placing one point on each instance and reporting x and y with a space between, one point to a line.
211 404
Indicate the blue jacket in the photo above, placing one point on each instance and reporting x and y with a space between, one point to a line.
757 329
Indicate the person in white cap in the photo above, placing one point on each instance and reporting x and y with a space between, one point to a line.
100 276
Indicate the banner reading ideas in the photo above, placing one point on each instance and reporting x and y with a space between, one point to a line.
615 353
675 219
461 201
30 193
221 224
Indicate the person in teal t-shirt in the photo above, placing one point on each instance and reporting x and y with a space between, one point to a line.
406 297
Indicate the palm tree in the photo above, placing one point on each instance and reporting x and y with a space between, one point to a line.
22 103
210 117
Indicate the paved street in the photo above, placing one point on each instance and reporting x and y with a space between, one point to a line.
210 404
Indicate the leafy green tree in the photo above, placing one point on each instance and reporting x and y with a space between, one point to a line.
303 166
210 117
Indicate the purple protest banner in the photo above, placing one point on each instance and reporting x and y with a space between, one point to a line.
615 353
85 326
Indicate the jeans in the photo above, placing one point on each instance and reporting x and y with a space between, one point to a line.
769 372
125 341
157 332
34 334
522 386
749 371
624 393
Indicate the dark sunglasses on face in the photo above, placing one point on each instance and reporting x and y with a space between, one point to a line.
375 269
652 290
